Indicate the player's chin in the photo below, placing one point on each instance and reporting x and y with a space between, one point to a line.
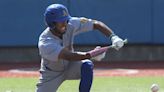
63 32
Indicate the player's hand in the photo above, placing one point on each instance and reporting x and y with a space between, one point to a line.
117 42
99 57
97 51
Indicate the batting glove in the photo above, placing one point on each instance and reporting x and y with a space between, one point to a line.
117 42
97 51
99 57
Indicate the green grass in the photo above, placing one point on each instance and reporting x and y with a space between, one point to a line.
17 84
100 84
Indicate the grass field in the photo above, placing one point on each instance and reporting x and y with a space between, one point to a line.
100 84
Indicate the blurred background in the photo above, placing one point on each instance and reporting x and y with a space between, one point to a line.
140 21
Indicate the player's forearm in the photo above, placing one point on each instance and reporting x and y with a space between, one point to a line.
77 56
98 25
73 56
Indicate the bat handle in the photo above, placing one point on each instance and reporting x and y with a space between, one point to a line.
125 41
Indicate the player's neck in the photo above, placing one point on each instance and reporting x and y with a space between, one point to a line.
56 33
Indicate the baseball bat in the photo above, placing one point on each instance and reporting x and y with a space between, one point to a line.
101 50
111 46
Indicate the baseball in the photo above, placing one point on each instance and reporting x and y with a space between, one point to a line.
154 88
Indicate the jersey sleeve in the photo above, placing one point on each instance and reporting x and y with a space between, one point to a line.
50 50
82 24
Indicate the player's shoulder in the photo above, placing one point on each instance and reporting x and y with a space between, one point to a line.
78 19
45 33
75 21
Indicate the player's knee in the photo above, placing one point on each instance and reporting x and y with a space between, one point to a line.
87 65
86 76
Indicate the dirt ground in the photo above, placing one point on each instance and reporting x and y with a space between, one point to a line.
132 69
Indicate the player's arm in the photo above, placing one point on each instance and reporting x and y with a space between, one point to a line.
76 56
116 40
98 25
72 56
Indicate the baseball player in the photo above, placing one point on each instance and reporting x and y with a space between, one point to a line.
59 62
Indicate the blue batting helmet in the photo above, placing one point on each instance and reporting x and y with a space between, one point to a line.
56 13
